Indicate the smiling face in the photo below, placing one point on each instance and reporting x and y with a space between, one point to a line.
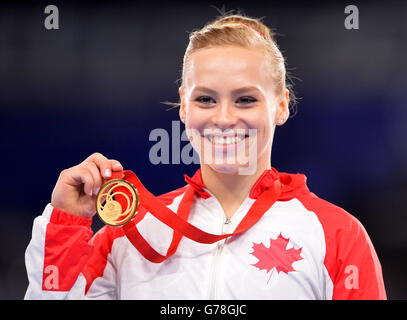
230 106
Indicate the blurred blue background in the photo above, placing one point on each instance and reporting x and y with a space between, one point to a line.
97 84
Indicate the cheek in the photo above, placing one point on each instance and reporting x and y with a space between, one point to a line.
269 119
195 124
196 118
262 122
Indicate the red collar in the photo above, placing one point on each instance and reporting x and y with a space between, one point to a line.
292 184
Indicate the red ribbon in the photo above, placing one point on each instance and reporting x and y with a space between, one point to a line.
178 221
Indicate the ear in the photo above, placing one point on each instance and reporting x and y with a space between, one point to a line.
283 110
182 111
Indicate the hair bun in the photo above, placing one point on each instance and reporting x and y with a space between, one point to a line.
237 19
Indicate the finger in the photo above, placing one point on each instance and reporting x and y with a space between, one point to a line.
102 163
88 182
97 178
116 165
81 175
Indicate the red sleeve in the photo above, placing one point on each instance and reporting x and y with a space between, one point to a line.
350 257
70 250
66 250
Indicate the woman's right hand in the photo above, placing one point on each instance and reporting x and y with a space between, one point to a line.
77 187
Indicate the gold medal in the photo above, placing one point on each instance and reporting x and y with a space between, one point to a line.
117 202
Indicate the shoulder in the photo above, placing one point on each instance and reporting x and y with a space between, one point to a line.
344 234
168 198
331 216
334 220
348 248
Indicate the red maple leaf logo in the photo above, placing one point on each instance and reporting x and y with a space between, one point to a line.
276 256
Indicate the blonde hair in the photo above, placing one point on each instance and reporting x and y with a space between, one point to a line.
244 31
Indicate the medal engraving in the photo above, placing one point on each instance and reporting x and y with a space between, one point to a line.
117 202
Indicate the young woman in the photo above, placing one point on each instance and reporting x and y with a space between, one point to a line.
233 95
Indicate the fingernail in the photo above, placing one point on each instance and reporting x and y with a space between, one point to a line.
97 190
108 173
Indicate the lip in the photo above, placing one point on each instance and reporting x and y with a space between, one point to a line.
240 141
225 139
228 133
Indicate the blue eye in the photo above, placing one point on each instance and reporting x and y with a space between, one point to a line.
242 100
246 100
205 100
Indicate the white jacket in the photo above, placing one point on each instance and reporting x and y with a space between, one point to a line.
302 248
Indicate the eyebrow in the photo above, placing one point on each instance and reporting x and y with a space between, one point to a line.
236 91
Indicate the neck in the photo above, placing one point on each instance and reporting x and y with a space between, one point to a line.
231 189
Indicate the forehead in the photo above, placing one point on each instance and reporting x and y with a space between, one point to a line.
228 66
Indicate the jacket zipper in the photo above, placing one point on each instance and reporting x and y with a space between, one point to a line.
216 261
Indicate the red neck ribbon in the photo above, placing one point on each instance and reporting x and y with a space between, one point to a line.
178 221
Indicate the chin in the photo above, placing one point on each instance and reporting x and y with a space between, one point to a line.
225 168
248 168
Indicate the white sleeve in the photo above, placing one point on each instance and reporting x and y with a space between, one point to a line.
56 259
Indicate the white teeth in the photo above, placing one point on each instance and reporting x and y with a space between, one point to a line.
225 140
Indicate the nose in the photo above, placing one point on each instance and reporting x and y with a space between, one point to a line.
225 115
